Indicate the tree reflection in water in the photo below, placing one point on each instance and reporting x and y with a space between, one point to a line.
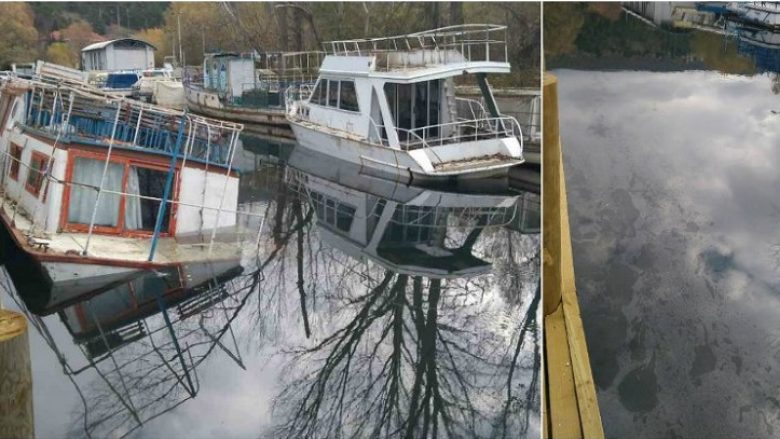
393 317
417 356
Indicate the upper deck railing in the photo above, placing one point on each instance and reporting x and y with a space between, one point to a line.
77 113
446 45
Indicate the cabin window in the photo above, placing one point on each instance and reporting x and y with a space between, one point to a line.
333 213
16 158
141 213
116 213
415 106
36 173
87 174
348 97
319 96
333 93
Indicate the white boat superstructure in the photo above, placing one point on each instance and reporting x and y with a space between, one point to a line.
389 105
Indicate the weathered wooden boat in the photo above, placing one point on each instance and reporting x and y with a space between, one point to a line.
83 178
389 105
249 88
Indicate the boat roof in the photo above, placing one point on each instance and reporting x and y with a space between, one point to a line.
442 52
88 95
104 44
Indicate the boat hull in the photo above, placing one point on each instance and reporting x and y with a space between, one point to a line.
403 166
269 121
48 286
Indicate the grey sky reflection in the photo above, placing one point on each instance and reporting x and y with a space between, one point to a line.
673 183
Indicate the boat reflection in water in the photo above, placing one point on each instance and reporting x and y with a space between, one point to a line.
434 297
372 308
139 344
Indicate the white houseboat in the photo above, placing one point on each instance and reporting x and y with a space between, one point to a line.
82 178
249 88
389 105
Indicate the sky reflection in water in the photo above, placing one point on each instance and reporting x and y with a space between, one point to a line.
672 181
368 317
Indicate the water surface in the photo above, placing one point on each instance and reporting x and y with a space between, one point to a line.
672 180
358 308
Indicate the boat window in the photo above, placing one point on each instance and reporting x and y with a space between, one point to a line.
87 174
333 93
415 106
137 181
16 157
332 212
141 213
348 97
434 101
36 173
320 94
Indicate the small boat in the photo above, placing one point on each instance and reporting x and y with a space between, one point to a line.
118 83
143 89
82 179
249 88
389 105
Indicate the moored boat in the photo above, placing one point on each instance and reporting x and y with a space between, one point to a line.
389 105
83 178
249 88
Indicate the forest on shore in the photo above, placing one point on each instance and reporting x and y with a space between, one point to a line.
57 31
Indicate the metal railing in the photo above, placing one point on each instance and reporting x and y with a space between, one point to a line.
458 132
291 64
470 109
93 117
452 44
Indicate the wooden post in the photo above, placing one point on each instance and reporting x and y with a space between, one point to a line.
551 197
16 399
570 404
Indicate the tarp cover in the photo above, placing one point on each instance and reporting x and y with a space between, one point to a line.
121 80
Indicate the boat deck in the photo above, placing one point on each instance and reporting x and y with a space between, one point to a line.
483 162
112 248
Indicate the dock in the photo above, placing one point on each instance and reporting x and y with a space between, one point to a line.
570 407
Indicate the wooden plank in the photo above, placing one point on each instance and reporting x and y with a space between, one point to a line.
563 412
571 402
551 190
587 402
16 399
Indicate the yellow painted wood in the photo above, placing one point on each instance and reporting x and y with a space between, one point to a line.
16 407
563 410
551 190
571 405
590 415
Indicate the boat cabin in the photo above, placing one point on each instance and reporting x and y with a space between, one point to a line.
79 163
399 93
